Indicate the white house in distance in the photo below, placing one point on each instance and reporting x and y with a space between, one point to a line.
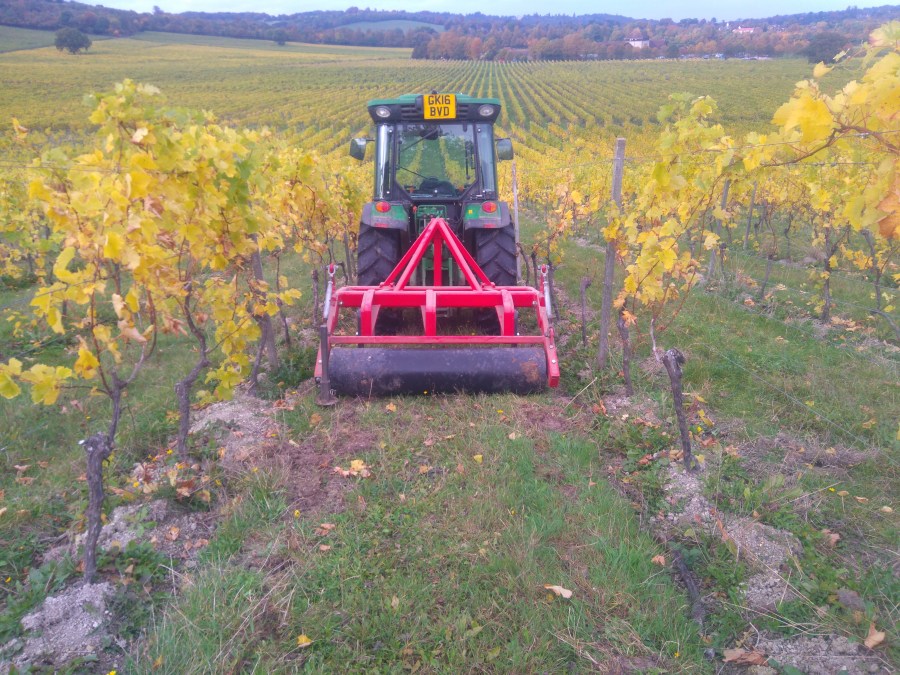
638 40
742 30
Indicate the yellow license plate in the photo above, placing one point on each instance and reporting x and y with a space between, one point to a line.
440 106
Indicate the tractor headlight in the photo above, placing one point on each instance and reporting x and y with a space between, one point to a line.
383 111
486 110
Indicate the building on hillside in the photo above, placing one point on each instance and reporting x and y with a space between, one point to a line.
638 43
744 30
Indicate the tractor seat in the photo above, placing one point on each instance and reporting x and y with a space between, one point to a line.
436 186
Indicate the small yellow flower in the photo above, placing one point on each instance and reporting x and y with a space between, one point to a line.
499 412
135 484
8 579
831 489
296 513
169 451
677 654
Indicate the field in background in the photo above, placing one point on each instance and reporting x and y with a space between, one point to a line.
317 93
15 39
393 24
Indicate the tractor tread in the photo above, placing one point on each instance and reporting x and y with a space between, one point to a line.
495 253
378 252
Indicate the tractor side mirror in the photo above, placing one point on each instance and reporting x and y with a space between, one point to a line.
358 148
504 149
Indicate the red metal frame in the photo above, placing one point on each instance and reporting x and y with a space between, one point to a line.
478 292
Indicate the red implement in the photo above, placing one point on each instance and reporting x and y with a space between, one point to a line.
367 363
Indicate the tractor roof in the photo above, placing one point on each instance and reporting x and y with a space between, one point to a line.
411 108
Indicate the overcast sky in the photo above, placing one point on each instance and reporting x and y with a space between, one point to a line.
723 10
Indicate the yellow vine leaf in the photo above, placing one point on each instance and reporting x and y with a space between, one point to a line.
8 387
45 382
86 364
807 113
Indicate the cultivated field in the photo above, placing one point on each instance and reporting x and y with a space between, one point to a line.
783 547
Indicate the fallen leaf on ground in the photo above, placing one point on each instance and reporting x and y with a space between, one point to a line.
395 602
315 419
831 538
324 548
390 407
598 408
559 590
861 500
21 468
886 509
323 529
424 468
659 560
513 436
3 510
478 458
303 641
874 638
172 534
745 658
357 468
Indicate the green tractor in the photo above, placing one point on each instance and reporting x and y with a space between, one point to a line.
437 299
435 157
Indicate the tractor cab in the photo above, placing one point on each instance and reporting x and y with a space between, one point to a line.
435 157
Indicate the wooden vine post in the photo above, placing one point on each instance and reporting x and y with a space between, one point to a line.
673 360
609 267
721 248
98 449
585 284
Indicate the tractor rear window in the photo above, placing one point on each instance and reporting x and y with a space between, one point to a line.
436 159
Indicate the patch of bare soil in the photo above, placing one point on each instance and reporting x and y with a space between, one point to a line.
636 407
766 550
822 655
240 424
71 624
536 419
171 530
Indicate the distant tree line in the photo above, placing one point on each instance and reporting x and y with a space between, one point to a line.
479 36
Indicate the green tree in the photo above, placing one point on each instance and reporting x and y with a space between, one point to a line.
72 40
824 47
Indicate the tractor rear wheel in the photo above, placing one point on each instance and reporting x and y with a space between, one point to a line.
377 253
495 253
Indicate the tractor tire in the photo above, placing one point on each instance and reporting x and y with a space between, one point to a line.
495 253
377 253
